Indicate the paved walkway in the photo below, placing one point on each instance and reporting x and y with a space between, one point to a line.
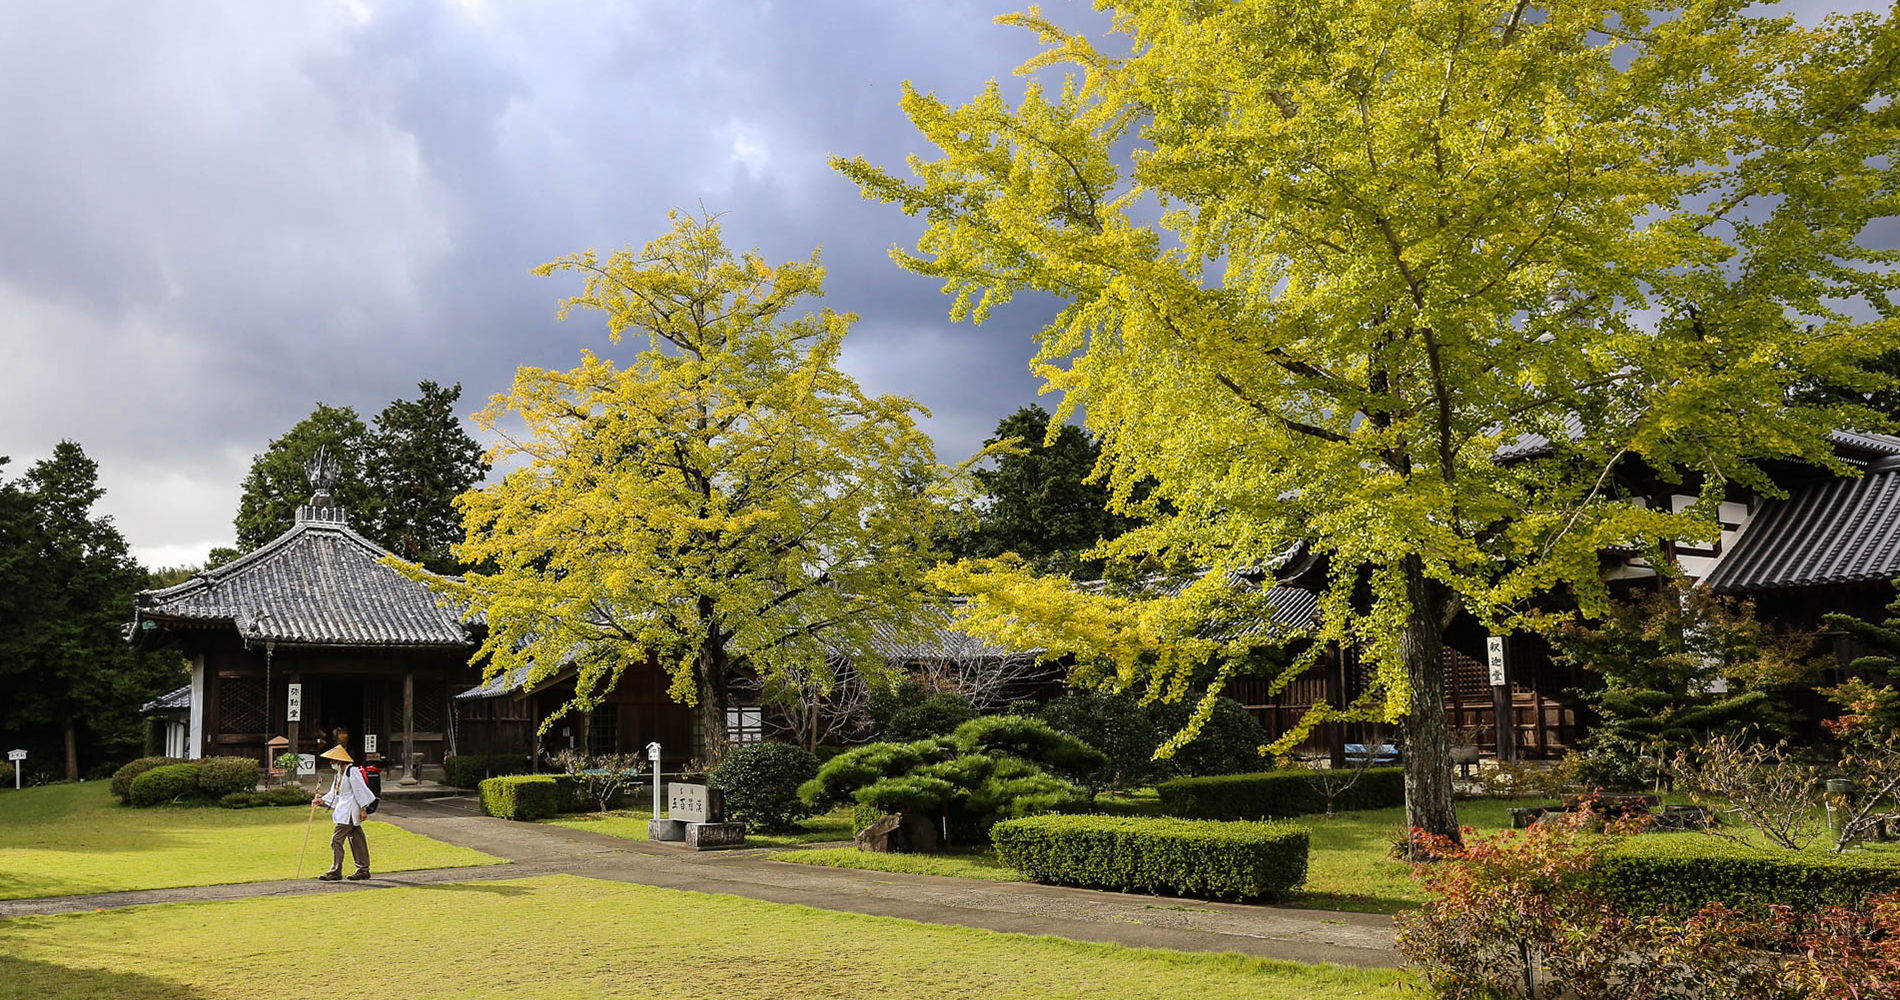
1017 907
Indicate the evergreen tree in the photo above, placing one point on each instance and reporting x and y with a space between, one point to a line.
1037 501
277 485
419 460
1682 664
1876 671
65 668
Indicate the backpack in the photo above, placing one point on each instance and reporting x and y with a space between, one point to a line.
374 802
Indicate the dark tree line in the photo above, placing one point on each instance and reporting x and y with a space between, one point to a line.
398 476
70 685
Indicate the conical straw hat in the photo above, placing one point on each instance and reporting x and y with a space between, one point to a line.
337 753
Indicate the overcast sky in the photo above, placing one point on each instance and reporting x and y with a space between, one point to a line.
214 215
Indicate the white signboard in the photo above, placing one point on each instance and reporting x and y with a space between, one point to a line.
369 743
306 763
293 705
16 754
653 752
1494 648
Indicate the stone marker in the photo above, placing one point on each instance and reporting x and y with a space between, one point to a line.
666 829
695 803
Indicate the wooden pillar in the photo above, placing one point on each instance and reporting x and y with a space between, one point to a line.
409 727
1543 731
1336 730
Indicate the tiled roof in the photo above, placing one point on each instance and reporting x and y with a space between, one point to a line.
1838 531
319 583
170 701
1853 445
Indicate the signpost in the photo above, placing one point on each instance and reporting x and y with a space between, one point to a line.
1501 698
14 757
653 756
293 704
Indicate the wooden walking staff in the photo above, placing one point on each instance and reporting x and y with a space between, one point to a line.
306 838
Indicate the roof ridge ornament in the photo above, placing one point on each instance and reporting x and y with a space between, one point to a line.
322 470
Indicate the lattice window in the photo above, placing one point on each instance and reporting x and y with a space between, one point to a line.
373 721
428 708
604 736
240 705
744 725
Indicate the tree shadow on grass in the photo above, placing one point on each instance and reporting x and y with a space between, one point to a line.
22 978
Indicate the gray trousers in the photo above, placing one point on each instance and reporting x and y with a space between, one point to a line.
359 848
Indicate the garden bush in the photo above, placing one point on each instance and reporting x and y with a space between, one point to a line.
1114 724
521 796
220 776
844 774
122 778
1682 872
1229 742
937 715
761 782
163 784
272 797
1273 794
6 774
468 770
1146 854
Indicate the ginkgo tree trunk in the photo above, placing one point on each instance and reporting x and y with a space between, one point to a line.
1327 265
727 499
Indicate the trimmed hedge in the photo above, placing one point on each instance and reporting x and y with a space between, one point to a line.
468 770
1683 872
1276 794
521 796
123 777
164 784
1175 857
220 776
273 797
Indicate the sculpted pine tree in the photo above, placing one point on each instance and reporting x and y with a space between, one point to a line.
419 459
728 497
1322 260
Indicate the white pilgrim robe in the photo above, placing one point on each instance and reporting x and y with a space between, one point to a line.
348 798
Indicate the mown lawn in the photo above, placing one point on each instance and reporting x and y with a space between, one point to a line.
980 863
568 937
631 824
63 840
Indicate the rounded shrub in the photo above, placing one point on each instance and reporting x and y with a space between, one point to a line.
122 778
1229 742
220 776
936 716
1115 724
6 775
761 782
164 784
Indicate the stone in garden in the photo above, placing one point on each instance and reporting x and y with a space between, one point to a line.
878 837
920 834
666 829
712 836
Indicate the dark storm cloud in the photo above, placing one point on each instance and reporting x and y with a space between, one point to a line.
215 215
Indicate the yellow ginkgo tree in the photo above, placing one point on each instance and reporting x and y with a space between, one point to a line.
727 499
1326 263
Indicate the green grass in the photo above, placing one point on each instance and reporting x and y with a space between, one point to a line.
631 824
567 937
980 863
65 840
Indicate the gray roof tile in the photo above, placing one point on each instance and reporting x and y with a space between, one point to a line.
1838 531
319 583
